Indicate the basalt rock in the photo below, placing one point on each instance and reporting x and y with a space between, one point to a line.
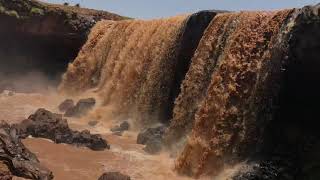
44 124
152 138
66 104
124 126
82 107
16 159
114 176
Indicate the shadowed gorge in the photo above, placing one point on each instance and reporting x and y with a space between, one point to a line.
137 66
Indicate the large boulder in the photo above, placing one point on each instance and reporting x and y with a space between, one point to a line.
114 176
16 159
152 138
45 124
81 108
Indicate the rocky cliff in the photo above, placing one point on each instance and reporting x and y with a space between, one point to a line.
42 37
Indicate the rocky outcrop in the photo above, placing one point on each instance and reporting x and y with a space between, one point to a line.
114 176
16 159
44 124
40 37
82 107
152 138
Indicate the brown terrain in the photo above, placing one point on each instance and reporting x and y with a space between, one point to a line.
87 94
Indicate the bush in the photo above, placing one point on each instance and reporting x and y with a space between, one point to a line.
77 5
37 11
66 4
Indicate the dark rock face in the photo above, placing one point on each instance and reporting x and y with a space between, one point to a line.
81 108
152 138
65 105
114 176
16 158
45 124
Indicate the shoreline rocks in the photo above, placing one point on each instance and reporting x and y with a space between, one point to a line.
44 124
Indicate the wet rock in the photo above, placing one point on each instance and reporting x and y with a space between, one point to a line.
124 126
16 159
93 123
45 124
152 138
81 108
66 104
150 134
114 176
153 146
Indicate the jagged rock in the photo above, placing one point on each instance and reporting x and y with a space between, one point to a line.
153 146
152 138
124 126
93 123
45 124
16 158
114 176
66 104
150 133
81 108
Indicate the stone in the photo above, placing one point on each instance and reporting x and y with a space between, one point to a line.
16 159
153 146
66 104
114 176
45 124
93 123
124 126
81 108
150 133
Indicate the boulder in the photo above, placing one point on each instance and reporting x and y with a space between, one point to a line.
153 146
44 124
150 133
114 176
152 138
93 123
66 104
16 159
124 126
81 108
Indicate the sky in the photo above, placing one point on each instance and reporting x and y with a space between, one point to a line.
149 9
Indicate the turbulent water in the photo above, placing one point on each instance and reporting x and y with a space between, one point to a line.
216 95
223 88
130 63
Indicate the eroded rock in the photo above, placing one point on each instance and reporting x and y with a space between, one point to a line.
114 176
66 104
45 124
16 159
81 108
152 138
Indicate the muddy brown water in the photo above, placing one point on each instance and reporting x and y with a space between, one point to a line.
73 163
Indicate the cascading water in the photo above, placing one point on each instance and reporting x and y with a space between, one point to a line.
228 75
135 65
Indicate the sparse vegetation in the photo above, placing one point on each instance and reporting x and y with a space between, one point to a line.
66 4
77 5
2 9
36 11
12 13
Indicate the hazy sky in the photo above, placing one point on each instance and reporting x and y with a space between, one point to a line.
147 9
